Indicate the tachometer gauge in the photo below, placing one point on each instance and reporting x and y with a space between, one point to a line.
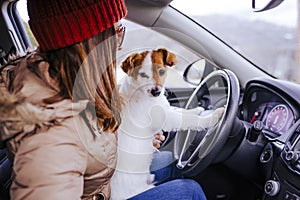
277 118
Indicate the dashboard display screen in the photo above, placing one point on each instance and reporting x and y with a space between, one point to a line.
276 117
272 111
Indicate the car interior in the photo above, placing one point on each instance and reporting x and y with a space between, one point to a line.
253 153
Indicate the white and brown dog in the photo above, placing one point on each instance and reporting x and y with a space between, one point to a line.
145 113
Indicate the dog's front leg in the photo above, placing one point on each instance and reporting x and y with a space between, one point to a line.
170 119
212 118
196 111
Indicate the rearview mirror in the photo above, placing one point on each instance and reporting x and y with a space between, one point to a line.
262 5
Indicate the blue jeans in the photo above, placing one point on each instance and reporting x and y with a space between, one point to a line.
170 184
163 166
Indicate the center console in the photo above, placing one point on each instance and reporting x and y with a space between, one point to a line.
284 183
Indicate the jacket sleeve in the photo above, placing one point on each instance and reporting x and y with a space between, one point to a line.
50 165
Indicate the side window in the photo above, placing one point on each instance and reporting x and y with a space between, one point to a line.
16 36
23 16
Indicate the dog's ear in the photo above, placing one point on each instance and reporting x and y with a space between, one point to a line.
169 58
128 65
133 61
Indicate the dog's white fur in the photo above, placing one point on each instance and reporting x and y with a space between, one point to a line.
144 115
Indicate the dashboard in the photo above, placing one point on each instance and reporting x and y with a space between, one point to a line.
275 105
274 109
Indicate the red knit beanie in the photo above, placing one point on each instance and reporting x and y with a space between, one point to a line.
60 23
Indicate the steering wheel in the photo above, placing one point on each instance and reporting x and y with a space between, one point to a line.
195 150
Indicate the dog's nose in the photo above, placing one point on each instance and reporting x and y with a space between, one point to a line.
155 91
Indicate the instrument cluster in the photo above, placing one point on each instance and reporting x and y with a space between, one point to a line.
275 113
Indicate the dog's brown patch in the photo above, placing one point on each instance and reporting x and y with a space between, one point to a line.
133 63
161 58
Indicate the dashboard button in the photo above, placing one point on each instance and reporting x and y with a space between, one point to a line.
291 157
272 187
266 156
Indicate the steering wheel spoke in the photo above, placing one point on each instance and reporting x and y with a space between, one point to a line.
190 147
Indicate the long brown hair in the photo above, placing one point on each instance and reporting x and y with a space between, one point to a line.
86 70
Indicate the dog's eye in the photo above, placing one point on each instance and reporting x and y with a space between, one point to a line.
144 75
161 72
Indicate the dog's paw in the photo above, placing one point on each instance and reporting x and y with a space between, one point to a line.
196 111
216 115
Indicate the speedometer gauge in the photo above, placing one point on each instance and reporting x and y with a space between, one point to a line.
277 118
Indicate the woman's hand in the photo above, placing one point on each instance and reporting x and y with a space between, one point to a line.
158 139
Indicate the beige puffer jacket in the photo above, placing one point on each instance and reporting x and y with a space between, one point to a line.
55 154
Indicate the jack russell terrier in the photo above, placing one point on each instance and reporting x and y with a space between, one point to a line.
146 112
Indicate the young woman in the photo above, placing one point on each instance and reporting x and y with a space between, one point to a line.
60 106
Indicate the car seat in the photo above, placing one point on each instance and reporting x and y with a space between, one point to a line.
5 175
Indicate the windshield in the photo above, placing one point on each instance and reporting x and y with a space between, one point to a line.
268 39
